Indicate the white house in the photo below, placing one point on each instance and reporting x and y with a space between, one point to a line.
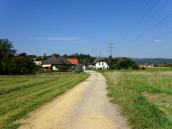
101 65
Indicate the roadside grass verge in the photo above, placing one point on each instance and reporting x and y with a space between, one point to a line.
139 93
20 95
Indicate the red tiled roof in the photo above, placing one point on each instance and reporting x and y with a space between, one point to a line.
73 61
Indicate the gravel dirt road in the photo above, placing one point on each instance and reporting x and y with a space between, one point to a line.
86 106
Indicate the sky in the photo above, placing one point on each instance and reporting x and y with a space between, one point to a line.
136 28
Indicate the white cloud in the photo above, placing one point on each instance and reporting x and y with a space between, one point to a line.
157 40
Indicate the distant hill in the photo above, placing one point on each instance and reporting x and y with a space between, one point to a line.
152 61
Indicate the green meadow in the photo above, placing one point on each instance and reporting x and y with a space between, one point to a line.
21 94
145 97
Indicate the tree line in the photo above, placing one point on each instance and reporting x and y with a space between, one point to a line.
12 64
121 63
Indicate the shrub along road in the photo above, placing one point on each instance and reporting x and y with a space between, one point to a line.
86 106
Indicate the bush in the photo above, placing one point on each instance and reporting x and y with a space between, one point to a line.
78 69
63 68
121 63
18 65
142 68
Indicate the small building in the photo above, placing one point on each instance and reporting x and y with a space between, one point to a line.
101 65
150 65
142 66
53 63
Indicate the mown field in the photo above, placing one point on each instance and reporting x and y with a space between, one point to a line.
144 96
22 94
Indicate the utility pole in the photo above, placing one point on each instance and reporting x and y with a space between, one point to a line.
110 49
100 54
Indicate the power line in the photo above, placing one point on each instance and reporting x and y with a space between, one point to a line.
153 14
137 16
142 10
153 27
148 11
161 22
163 34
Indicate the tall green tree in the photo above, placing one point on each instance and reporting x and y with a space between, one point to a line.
12 64
6 50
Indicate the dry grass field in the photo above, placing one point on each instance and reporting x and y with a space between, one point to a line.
144 96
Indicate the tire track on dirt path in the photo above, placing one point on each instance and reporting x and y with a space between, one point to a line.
86 106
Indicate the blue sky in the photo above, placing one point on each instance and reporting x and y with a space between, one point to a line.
137 28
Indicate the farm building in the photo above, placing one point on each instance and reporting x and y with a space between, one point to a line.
54 63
